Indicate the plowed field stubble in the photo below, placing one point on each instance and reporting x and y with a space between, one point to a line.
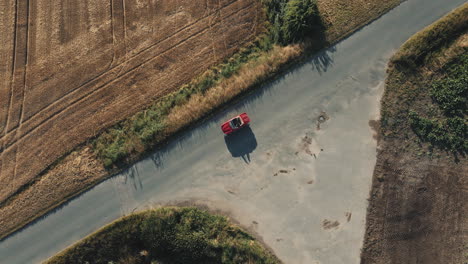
69 69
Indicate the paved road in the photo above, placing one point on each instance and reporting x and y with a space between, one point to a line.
300 188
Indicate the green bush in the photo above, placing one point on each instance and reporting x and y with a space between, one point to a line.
451 93
301 18
292 20
450 134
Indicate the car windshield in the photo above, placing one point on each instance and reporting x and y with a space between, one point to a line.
236 122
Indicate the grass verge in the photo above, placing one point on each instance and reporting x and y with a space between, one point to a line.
168 235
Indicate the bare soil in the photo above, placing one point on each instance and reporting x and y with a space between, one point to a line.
418 210
72 68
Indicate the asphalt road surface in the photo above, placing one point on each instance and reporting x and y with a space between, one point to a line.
299 184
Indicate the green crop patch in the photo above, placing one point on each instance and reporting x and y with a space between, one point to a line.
450 93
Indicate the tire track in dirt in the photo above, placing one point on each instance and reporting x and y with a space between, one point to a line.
23 89
65 52
70 94
25 64
5 91
5 88
18 83
13 66
222 21
118 33
8 157
112 79
46 131
19 76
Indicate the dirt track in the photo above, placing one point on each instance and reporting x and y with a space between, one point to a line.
71 68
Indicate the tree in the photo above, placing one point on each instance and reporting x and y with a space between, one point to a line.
301 18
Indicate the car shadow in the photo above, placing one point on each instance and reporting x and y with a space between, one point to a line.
241 143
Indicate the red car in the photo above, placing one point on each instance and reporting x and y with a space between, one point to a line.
235 123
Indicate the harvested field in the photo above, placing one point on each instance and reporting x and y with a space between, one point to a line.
72 68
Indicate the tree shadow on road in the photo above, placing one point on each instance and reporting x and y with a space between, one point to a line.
319 49
241 143
323 60
132 174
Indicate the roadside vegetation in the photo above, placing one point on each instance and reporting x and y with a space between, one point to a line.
292 20
168 235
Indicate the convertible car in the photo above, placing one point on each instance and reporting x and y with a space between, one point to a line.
235 123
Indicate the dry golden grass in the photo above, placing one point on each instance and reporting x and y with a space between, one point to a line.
344 16
249 75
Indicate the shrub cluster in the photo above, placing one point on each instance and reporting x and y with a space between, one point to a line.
168 235
450 134
292 20
451 95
